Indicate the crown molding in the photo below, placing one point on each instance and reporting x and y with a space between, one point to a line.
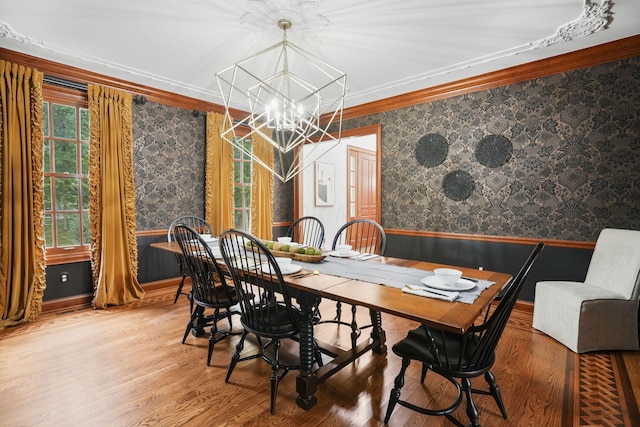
78 75
613 51
588 57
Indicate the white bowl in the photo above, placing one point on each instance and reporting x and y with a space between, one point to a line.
283 262
448 276
284 239
343 249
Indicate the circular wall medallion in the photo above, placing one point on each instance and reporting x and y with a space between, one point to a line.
494 151
431 150
458 185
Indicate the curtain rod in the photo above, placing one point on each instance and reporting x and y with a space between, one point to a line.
83 87
65 83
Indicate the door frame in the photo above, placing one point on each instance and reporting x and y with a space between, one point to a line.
361 131
356 152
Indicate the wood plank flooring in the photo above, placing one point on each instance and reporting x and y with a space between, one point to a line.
125 366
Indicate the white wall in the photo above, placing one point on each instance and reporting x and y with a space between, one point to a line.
333 217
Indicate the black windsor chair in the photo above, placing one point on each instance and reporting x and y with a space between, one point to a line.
455 356
265 303
308 231
209 289
364 236
199 225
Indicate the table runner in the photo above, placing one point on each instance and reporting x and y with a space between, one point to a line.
385 274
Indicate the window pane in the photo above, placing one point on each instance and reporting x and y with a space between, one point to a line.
66 194
237 219
237 197
45 117
47 193
247 197
246 172
236 171
84 124
64 121
84 158
86 235
48 231
46 156
85 193
68 229
247 221
66 157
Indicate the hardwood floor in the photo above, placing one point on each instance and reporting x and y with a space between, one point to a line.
125 366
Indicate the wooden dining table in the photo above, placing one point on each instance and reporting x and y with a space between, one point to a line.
456 317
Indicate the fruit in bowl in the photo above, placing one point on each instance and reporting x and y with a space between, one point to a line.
295 251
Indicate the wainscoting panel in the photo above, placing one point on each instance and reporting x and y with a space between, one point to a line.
154 264
554 263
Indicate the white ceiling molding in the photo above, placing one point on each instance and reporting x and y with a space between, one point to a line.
7 32
594 18
386 49
304 14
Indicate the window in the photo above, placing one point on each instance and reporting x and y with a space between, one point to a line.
66 177
242 187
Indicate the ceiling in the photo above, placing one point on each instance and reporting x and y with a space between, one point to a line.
385 48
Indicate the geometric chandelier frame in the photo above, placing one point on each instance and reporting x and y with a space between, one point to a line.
284 92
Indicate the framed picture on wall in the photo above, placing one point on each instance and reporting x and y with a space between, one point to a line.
324 184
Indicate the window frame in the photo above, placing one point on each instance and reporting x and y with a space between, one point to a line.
78 99
245 210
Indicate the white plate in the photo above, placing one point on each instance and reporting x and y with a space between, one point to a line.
216 253
350 254
292 268
436 283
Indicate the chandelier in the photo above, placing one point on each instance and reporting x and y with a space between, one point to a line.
290 98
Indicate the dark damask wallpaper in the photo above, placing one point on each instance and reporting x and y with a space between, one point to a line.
556 157
168 160
559 158
169 153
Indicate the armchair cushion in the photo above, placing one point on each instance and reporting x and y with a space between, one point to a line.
586 318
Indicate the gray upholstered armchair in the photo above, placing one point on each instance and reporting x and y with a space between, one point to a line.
601 313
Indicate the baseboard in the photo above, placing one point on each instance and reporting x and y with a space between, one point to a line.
166 283
68 303
524 306
84 300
